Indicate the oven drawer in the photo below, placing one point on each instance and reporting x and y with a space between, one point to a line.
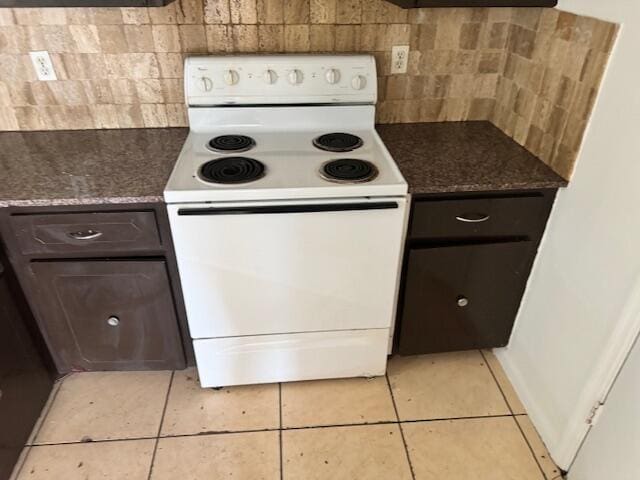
479 217
69 233
282 358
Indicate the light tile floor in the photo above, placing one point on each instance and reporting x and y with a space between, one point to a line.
452 416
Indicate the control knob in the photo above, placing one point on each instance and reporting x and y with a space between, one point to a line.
295 77
270 77
358 82
205 84
231 77
332 76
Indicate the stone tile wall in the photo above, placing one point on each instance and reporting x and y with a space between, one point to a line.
554 65
122 67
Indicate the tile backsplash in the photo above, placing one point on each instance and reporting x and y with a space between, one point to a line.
554 64
533 72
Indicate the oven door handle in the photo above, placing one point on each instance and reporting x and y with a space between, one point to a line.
273 209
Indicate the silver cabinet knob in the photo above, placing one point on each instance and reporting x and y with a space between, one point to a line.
113 321
85 234
473 217
462 301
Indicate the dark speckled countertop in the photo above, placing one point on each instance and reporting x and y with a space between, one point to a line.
87 166
132 166
463 157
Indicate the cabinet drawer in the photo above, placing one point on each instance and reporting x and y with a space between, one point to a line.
108 315
86 232
477 217
462 297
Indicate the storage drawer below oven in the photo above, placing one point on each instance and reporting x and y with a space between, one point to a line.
291 357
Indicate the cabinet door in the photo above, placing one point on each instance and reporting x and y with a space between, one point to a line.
462 297
108 315
25 382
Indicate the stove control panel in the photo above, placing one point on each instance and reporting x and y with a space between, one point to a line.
280 79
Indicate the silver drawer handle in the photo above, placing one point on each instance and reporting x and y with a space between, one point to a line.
113 321
473 217
87 235
462 301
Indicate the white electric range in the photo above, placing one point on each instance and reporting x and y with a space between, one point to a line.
288 217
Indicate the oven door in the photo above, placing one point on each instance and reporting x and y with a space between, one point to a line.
266 268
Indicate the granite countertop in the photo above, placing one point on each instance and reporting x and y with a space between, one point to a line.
463 157
133 166
87 166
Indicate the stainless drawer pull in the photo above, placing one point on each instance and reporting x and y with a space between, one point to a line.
88 235
462 301
113 321
473 217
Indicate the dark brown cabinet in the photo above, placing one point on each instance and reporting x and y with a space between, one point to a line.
462 297
109 315
102 283
499 216
467 261
67 233
25 379
473 3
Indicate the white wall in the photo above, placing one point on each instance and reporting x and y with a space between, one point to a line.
612 446
583 299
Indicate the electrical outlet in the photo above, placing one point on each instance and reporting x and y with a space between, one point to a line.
399 58
43 66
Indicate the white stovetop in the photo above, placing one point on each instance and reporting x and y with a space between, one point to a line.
283 139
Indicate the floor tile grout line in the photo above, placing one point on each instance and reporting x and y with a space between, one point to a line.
164 411
166 403
535 458
393 400
445 419
153 458
259 430
495 379
533 453
404 441
280 430
80 442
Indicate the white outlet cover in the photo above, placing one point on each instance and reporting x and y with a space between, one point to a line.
399 58
43 66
